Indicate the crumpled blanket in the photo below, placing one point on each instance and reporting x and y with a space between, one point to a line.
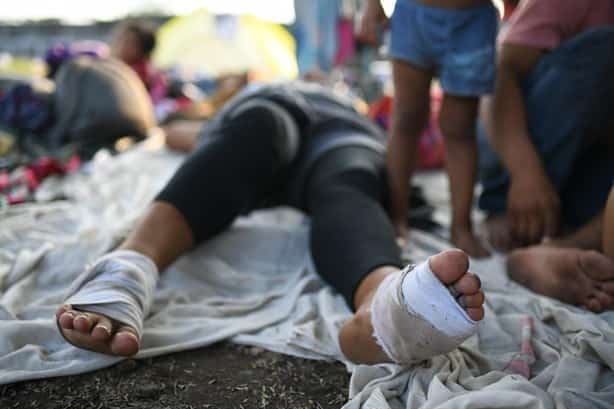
256 285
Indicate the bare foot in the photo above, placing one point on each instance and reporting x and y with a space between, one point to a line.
96 332
578 277
498 233
450 267
465 240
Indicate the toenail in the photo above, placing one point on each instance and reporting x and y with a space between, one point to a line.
477 277
103 327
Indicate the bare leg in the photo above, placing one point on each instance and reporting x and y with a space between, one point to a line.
410 112
457 123
356 337
97 332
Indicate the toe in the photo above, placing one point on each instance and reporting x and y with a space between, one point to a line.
596 265
60 311
125 342
605 299
594 305
83 323
476 314
473 300
103 329
449 265
606 286
468 284
66 320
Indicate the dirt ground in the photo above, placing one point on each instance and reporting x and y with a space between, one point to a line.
219 376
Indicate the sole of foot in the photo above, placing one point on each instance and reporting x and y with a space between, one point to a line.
579 277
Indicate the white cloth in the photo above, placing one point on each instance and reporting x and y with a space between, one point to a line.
120 285
415 317
255 285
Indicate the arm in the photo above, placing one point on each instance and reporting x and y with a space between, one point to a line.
371 22
511 138
533 204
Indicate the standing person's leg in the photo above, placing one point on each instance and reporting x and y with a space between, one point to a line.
410 113
467 65
108 303
457 122
354 249
412 71
305 30
328 38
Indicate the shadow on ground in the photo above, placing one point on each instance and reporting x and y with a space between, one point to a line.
219 376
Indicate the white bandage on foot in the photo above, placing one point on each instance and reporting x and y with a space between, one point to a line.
415 317
119 285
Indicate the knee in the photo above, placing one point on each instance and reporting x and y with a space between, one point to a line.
457 127
410 121
266 119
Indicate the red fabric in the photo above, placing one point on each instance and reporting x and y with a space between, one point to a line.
431 150
19 185
545 24
346 46
154 80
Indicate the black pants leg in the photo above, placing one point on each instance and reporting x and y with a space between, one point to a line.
227 175
351 233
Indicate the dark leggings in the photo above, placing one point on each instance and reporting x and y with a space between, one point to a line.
350 231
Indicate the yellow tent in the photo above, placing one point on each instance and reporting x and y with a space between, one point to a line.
217 45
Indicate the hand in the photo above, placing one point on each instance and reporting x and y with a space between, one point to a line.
533 208
372 22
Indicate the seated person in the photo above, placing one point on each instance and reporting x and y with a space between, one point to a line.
551 119
293 144
577 269
133 43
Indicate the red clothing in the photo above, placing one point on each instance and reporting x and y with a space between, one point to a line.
153 79
545 24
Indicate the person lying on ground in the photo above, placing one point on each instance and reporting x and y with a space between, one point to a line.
577 269
293 144
551 119
454 40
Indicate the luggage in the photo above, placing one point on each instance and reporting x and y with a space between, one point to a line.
96 102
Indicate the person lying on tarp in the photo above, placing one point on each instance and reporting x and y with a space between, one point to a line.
292 144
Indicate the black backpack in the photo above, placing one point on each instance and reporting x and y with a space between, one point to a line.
96 102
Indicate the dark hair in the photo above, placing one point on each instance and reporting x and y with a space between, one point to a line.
144 31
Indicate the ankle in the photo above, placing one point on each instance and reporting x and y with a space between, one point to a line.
461 229
367 287
357 342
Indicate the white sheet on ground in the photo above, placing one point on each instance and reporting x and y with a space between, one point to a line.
256 285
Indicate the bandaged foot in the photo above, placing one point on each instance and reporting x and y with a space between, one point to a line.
106 305
421 312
